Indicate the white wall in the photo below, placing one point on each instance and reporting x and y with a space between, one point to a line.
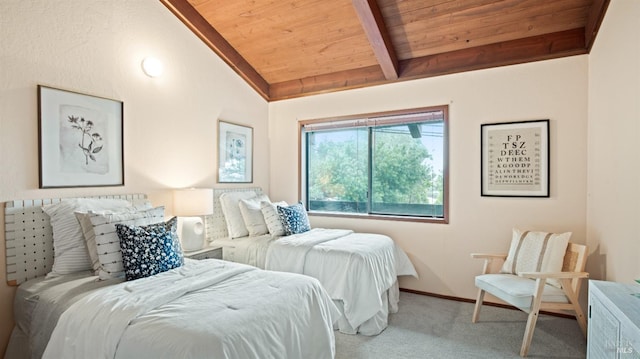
555 89
95 47
614 157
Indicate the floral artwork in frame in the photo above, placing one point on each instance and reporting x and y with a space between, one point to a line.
515 159
80 138
235 153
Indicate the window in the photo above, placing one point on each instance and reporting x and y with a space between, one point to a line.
389 165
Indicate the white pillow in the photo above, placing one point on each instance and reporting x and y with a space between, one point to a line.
229 201
536 252
70 249
272 218
252 215
100 233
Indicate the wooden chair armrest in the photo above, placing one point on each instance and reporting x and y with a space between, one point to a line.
488 259
488 256
557 275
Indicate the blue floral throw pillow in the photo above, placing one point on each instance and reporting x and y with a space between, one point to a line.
149 250
294 218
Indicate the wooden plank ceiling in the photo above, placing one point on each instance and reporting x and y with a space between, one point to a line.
293 48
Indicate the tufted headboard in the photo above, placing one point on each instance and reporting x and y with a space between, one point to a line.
218 228
29 237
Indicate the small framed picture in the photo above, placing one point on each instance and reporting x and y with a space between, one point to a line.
80 139
235 153
515 159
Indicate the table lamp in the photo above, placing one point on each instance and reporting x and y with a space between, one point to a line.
190 206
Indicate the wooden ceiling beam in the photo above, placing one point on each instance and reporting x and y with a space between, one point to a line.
210 36
594 19
536 48
337 81
373 24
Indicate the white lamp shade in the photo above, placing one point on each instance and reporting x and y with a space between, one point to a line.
193 202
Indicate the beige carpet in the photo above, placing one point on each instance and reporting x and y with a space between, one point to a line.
428 327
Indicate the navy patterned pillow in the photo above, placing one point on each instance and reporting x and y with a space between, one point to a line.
149 250
294 218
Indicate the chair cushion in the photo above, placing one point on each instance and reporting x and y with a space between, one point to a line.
517 291
536 252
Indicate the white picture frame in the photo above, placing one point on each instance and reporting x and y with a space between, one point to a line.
235 153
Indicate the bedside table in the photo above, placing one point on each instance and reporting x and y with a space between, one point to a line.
205 253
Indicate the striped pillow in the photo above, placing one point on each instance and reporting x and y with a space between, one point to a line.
100 233
536 252
68 242
272 218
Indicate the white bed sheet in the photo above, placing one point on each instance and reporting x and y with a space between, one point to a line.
38 304
247 250
358 270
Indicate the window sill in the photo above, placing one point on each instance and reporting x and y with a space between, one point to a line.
380 217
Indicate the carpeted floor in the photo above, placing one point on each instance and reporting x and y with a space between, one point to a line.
428 327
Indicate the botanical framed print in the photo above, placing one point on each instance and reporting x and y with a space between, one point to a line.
515 159
80 139
235 153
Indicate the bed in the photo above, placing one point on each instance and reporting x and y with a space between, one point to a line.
358 270
207 308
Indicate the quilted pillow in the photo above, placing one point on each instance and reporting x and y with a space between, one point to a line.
232 215
70 249
100 233
149 250
294 219
536 252
272 218
252 215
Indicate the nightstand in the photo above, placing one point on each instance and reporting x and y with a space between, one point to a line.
205 253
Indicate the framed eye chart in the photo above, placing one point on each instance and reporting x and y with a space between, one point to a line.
515 159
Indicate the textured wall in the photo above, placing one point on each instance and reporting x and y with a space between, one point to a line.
95 47
555 89
614 158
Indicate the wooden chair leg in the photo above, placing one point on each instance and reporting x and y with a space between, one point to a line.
533 317
476 310
528 333
573 299
580 318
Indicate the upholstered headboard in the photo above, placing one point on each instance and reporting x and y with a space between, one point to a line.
218 228
29 237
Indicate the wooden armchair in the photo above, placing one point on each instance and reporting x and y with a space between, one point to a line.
530 291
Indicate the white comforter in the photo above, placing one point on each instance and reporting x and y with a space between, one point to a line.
205 309
355 268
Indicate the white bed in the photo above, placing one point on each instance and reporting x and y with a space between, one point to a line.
201 309
358 270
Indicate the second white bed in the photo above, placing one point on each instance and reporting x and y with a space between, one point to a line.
358 270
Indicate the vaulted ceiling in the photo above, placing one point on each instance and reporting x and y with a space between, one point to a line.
293 48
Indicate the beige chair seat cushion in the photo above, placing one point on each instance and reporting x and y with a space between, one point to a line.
517 291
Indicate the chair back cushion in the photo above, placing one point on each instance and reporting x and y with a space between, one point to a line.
536 252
